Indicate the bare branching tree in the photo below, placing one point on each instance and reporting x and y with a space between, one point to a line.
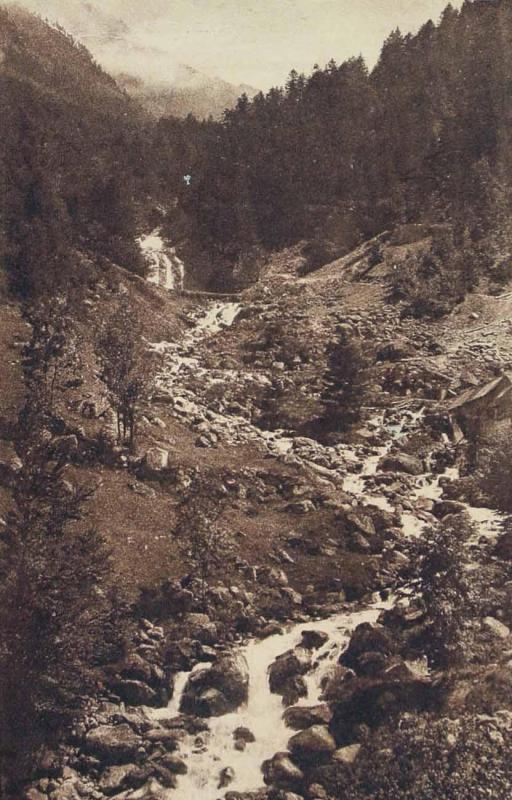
128 368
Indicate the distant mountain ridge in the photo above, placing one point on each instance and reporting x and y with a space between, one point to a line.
169 89
200 95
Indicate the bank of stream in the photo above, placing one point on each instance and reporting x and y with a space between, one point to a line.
212 755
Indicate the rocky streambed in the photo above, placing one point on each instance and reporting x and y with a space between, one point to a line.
272 711
255 741
236 745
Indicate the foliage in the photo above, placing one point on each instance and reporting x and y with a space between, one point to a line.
423 757
431 283
71 161
204 542
58 618
497 478
128 369
52 357
413 140
344 380
443 583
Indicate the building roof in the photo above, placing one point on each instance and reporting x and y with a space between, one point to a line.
480 392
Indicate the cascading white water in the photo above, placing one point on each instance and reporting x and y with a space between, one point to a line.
263 714
166 269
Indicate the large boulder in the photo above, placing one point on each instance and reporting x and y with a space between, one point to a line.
444 507
367 638
136 693
282 772
217 690
312 745
288 666
112 744
313 640
300 717
156 461
401 462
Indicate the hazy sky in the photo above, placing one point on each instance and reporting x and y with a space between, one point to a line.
243 41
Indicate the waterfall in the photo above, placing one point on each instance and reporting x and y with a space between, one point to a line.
166 269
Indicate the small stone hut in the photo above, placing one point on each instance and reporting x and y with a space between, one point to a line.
483 412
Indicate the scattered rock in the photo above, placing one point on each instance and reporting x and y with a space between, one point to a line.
282 772
347 755
218 689
444 507
112 744
136 693
401 462
497 627
313 640
156 461
312 744
300 717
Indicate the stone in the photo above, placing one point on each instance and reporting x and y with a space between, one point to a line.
10 466
301 507
317 792
347 755
288 665
367 638
112 744
136 693
244 734
282 772
397 350
115 778
67 791
401 462
313 640
357 543
174 764
156 460
300 717
218 689
35 794
227 776
312 744
497 627
444 507
361 523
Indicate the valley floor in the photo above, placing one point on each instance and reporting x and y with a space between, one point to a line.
320 533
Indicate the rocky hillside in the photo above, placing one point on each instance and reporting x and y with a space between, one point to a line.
319 608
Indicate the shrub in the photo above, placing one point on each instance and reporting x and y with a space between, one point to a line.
442 581
422 758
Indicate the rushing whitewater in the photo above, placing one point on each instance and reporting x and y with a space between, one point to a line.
263 714
208 755
166 269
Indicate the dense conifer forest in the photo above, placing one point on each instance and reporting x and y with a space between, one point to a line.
332 158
